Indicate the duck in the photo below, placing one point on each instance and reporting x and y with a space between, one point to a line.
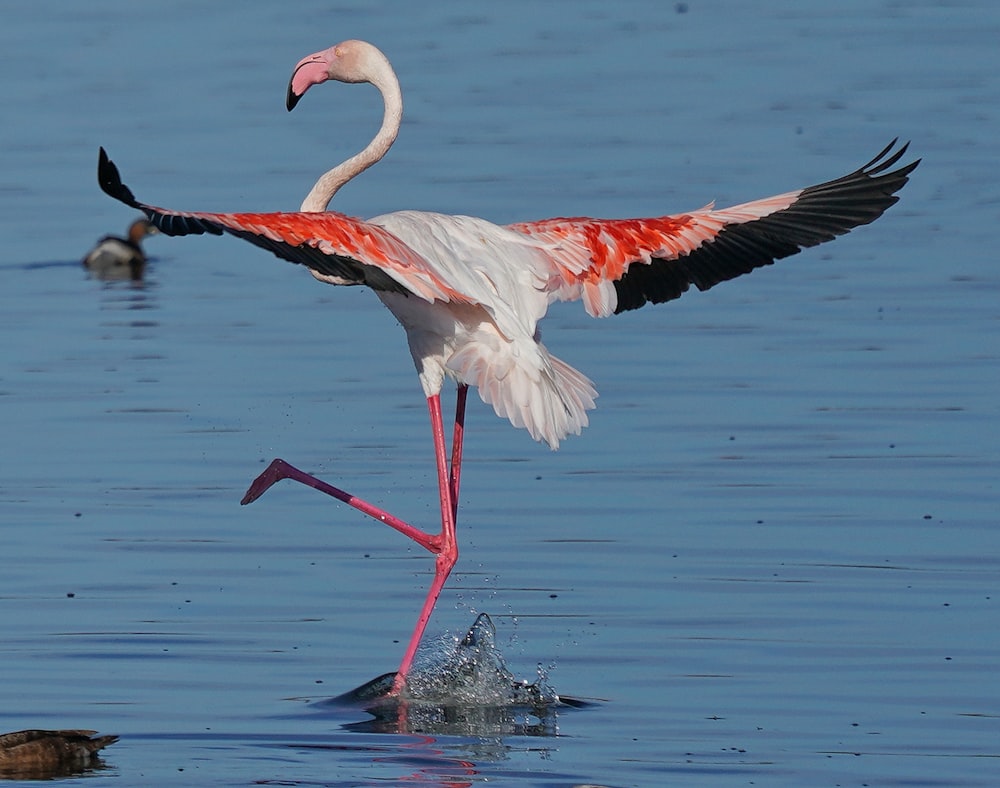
120 258
42 754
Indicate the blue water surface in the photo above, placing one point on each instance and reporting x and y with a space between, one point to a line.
773 558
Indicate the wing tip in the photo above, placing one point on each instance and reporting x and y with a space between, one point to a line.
880 163
110 181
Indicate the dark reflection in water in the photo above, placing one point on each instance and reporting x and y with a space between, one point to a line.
460 688
111 284
41 265
127 295
75 265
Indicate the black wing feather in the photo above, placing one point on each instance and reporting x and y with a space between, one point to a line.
820 213
175 223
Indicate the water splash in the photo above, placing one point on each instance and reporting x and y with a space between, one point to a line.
461 686
472 671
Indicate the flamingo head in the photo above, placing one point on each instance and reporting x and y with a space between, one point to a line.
348 61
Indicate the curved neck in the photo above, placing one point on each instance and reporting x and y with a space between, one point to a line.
330 182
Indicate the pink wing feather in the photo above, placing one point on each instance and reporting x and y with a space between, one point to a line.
612 264
335 247
620 264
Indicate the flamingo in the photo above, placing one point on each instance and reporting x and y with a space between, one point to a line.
470 294
120 258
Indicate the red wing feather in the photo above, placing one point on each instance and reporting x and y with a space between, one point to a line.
658 259
334 246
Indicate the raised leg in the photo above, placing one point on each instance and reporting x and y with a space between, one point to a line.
444 545
279 469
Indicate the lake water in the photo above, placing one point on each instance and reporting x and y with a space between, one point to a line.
773 558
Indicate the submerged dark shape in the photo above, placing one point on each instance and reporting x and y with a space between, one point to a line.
42 754
466 691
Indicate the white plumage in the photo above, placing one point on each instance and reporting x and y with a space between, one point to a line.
490 341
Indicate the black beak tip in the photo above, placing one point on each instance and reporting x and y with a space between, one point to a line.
291 99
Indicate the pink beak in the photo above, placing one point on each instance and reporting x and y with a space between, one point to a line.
309 71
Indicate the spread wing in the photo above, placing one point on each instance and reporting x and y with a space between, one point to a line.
620 264
338 249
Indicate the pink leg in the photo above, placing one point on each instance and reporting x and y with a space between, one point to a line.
279 469
448 482
443 545
457 437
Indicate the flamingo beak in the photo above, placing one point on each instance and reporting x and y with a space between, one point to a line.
309 71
